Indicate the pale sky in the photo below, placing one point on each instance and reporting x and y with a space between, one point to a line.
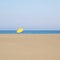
30 14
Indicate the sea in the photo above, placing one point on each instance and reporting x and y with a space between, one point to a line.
30 32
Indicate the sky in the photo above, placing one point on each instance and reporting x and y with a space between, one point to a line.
30 14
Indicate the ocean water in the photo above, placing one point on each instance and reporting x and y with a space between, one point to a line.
30 32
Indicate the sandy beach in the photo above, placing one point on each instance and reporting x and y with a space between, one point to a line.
29 46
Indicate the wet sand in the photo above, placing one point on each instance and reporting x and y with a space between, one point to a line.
29 46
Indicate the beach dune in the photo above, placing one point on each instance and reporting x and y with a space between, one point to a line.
29 46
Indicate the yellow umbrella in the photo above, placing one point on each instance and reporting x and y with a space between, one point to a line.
20 30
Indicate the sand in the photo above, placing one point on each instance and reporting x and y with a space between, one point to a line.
29 46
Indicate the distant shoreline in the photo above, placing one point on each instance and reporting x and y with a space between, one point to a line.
31 32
